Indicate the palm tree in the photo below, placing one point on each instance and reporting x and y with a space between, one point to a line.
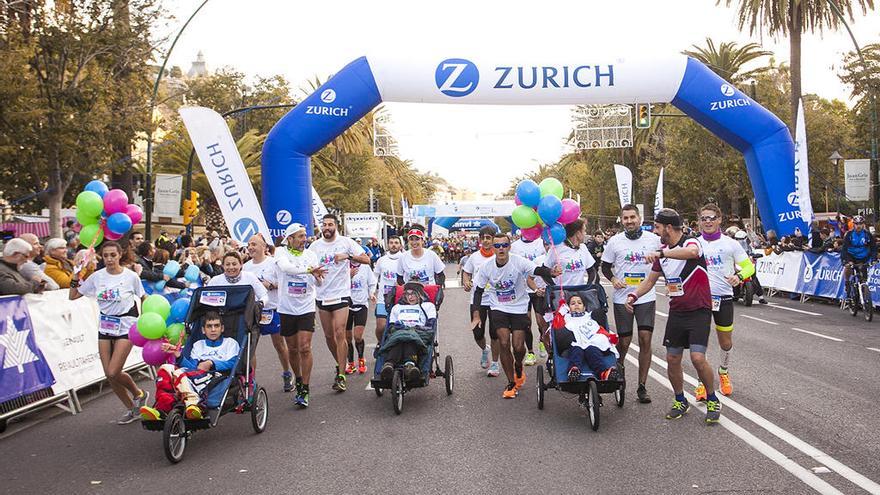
794 17
727 60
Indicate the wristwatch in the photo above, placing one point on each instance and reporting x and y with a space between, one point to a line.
74 283
660 253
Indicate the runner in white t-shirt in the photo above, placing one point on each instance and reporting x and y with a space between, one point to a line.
362 283
117 290
531 250
539 306
419 264
298 274
573 257
625 264
480 308
262 265
385 273
233 275
335 252
505 279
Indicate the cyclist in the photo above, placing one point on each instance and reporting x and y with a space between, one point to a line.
859 248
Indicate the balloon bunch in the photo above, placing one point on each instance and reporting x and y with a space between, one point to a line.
541 211
172 268
104 213
159 323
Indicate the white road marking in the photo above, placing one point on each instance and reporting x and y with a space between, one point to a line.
786 308
662 314
816 334
872 349
759 319
816 454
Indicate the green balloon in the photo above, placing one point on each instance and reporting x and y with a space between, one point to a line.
151 326
174 331
551 186
90 204
84 219
157 304
91 235
524 217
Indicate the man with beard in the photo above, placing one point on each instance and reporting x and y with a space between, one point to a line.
625 264
335 252
386 276
680 260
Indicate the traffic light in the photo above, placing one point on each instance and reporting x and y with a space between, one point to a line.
190 208
643 115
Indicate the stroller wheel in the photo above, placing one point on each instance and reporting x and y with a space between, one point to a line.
619 394
174 436
449 375
397 391
540 386
593 405
260 411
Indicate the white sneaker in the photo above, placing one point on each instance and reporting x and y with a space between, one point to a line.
494 369
542 351
128 417
484 359
530 359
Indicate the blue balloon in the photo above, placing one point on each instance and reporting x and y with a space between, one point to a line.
549 209
171 269
97 187
528 193
179 309
159 286
555 234
119 223
192 274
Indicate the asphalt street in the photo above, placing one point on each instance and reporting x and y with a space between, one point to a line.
802 419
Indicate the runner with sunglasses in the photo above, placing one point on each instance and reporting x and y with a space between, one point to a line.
480 307
532 250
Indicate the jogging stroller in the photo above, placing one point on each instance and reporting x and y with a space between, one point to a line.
429 365
234 391
588 386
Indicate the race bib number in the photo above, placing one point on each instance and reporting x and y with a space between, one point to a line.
506 296
214 298
633 279
716 303
674 287
296 288
110 324
266 316
388 289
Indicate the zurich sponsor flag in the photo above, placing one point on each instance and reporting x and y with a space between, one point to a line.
23 369
821 275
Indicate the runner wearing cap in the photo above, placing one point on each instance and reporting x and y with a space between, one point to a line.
480 307
419 264
680 260
297 275
386 281
335 253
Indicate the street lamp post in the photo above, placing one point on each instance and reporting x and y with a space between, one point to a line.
835 158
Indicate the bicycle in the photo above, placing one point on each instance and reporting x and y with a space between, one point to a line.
859 281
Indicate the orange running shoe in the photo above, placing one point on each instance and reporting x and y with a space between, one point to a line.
510 391
193 412
519 380
700 392
726 389
351 368
150 413
362 366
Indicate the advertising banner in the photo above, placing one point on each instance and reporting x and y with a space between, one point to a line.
801 167
858 174
364 225
23 368
779 271
624 184
318 208
658 196
821 275
167 194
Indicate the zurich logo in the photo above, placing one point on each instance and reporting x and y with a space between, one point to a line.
244 229
457 77
727 90
793 199
283 217
328 96
809 268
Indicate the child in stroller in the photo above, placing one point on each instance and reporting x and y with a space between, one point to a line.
584 342
208 357
411 322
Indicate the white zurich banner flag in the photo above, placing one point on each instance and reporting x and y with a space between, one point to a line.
658 196
318 208
801 167
624 184
225 170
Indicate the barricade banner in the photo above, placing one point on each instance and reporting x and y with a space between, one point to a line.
23 367
779 271
822 275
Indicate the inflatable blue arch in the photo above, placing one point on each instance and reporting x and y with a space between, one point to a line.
360 86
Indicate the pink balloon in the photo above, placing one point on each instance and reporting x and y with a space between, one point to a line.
517 201
571 210
135 336
134 212
531 233
153 353
109 235
115 201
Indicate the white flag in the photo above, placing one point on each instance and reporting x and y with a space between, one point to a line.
658 196
318 208
225 171
801 170
624 184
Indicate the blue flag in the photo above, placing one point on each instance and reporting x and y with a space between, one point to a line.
23 369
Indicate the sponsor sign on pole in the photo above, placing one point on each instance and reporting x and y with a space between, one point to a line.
658 196
225 171
167 194
318 208
858 175
801 167
624 184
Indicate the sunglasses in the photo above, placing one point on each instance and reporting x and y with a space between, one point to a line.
709 218
499 245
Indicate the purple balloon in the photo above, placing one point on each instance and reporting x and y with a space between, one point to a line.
135 336
571 210
115 201
135 213
153 353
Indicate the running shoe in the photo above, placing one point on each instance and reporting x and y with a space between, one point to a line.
700 392
362 366
542 351
140 401
339 383
509 391
484 358
128 417
762 300
713 411
411 372
351 368
287 377
530 359
303 399
678 410
726 388
387 372
193 412
150 413
605 374
519 380
574 373
494 369
642 394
